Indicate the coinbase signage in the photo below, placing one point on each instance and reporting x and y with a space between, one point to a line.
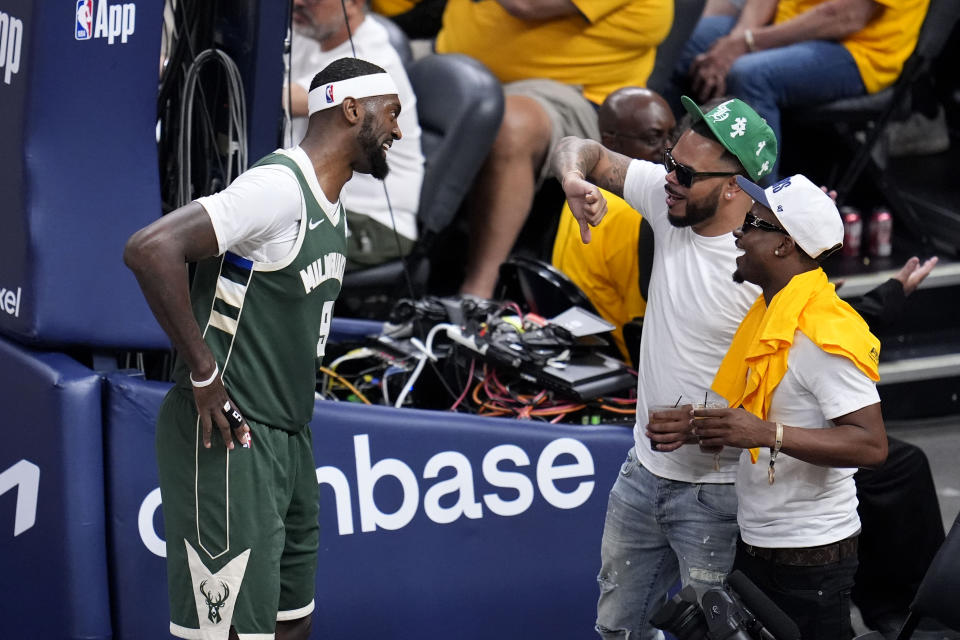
432 524
514 481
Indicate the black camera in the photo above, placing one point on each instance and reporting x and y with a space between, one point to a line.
738 611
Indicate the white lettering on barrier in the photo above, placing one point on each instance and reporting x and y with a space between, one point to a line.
507 480
25 476
11 40
461 485
114 20
10 301
548 471
148 533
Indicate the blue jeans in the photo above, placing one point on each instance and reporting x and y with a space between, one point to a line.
658 531
795 76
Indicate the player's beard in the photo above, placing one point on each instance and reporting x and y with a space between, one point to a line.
376 158
697 211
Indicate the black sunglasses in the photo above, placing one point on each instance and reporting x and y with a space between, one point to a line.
751 222
686 175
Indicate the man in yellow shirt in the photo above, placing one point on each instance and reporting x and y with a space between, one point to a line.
779 54
638 123
558 59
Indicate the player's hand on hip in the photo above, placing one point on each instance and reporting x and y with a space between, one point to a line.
216 408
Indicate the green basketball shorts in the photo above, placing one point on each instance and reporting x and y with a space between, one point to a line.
241 526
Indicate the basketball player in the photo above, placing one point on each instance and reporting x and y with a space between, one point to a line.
241 521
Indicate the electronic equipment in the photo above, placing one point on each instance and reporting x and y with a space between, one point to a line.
577 375
739 611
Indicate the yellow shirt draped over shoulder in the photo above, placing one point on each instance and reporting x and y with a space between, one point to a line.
611 45
757 359
881 47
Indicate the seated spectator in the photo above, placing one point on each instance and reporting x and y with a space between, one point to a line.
902 531
800 377
379 230
419 19
779 54
558 59
638 123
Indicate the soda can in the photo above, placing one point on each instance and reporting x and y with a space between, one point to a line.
881 231
852 230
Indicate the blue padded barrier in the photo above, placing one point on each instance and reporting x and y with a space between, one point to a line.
78 168
53 558
432 524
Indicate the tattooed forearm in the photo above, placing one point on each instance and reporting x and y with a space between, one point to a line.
574 154
612 173
601 166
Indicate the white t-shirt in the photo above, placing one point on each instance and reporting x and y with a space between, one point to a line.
364 193
693 309
808 505
259 215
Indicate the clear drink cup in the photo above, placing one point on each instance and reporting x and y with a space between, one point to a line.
713 404
661 408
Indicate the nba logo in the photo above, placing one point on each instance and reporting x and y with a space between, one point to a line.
84 19
329 93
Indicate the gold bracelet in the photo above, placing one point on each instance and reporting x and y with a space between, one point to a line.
748 38
777 443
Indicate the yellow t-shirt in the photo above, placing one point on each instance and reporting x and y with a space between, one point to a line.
606 269
392 7
610 46
881 47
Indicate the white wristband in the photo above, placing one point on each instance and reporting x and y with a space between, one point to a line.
208 381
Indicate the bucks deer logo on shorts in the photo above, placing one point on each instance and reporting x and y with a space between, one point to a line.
215 593
215 600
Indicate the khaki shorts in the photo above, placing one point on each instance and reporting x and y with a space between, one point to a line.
371 243
570 113
241 527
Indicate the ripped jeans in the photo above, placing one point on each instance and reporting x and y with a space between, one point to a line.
657 531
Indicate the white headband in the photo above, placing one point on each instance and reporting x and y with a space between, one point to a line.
333 93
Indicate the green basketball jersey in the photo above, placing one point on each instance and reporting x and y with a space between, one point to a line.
267 323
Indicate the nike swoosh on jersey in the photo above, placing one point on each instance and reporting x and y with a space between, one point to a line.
313 225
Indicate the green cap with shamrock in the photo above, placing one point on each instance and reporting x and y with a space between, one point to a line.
742 131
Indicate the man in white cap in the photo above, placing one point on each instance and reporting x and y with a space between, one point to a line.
241 522
801 377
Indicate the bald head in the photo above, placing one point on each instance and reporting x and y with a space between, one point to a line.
636 122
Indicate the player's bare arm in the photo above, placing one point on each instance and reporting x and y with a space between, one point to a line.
157 255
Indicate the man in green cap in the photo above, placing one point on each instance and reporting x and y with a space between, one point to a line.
672 512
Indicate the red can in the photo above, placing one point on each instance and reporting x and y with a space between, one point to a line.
881 231
852 230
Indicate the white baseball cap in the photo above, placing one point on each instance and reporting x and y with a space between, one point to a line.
808 214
